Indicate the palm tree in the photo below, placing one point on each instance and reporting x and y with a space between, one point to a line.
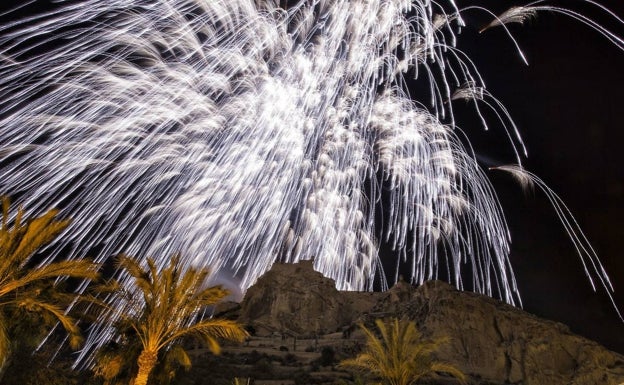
116 361
400 357
28 289
166 311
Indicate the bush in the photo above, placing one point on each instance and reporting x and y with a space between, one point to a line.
328 356
289 359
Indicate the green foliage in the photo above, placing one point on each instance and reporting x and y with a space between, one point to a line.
209 369
289 359
263 368
302 377
400 356
328 356
43 367
357 380
116 361
32 298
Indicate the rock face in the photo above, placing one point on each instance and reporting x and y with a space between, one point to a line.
492 342
295 300
498 343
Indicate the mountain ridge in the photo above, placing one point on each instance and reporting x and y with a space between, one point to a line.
491 341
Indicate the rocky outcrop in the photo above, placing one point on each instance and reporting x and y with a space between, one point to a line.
498 343
492 342
295 300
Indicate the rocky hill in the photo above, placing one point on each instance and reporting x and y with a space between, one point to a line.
295 300
492 342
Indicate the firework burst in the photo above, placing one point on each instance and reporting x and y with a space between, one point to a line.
243 133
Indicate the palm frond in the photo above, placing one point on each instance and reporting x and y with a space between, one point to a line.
6 205
173 297
19 241
212 295
178 355
39 232
35 292
68 323
5 342
141 277
448 369
131 267
400 356
81 268
108 365
210 330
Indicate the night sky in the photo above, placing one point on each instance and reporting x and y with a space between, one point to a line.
568 106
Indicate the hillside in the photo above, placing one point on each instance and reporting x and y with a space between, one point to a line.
302 326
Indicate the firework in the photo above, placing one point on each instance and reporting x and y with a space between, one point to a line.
243 133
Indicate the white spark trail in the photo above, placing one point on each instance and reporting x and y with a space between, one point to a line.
240 134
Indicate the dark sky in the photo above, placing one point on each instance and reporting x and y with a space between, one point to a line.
568 106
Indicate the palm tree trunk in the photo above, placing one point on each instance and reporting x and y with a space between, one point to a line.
147 361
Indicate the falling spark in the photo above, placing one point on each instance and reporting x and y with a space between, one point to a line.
242 133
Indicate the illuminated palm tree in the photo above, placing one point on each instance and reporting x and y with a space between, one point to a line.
400 357
28 289
167 310
116 361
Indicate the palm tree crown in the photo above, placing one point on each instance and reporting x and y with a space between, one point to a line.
168 309
400 357
28 287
